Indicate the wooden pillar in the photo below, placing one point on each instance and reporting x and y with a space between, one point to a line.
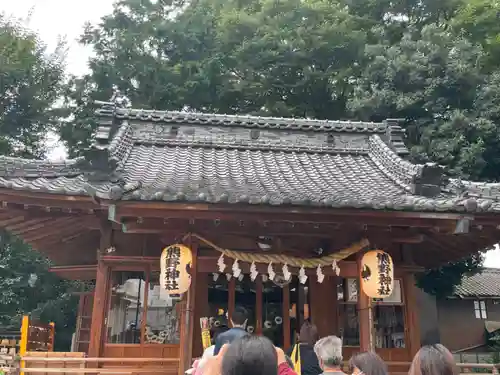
201 310
412 326
231 299
364 314
98 324
186 342
259 288
323 309
286 317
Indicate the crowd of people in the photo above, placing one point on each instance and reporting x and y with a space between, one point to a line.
236 352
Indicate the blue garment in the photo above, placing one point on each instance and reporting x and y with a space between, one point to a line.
228 337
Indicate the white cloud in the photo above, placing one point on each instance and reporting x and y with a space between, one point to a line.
492 258
54 20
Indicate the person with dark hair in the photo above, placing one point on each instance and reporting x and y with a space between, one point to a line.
209 352
433 360
302 354
367 363
238 320
250 355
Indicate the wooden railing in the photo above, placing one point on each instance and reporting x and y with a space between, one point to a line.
142 366
74 365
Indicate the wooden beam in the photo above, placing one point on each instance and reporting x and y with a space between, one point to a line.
258 305
37 211
101 294
365 316
281 228
77 272
418 238
19 227
45 230
123 210
231 299
286 318
412 329
145 303
11 221
67 227
66 235
163 207
35 227
191 307
46 199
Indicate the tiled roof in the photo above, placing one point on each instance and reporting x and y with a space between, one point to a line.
484 284
176 156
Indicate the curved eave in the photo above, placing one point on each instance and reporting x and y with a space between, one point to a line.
37 198
404 203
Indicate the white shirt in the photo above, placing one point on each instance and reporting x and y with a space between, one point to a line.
207 353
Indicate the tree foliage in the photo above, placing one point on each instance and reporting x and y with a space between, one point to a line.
429 62
29 288
435 80
478 21
31 81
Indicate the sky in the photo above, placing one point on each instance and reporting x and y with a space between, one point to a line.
55 19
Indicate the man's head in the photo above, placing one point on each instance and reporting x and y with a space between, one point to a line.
239 317
329 352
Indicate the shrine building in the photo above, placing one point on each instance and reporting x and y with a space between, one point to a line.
247 196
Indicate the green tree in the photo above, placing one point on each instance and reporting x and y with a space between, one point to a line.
29 288
31 81
289 58
478 21
435 81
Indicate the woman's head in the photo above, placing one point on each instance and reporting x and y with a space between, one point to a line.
250 355
433 360
308 333
368 363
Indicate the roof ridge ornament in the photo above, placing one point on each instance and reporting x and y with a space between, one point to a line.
118 100
428 180
396 136
100 165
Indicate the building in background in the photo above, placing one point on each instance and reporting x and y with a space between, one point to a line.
470 319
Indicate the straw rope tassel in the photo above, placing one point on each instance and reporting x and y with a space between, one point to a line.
285 259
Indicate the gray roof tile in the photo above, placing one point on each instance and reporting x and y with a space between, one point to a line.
173 117
174 156
484 284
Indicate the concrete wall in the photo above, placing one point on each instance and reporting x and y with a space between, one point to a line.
458 326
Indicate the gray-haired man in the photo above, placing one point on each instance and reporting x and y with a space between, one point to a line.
329 353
